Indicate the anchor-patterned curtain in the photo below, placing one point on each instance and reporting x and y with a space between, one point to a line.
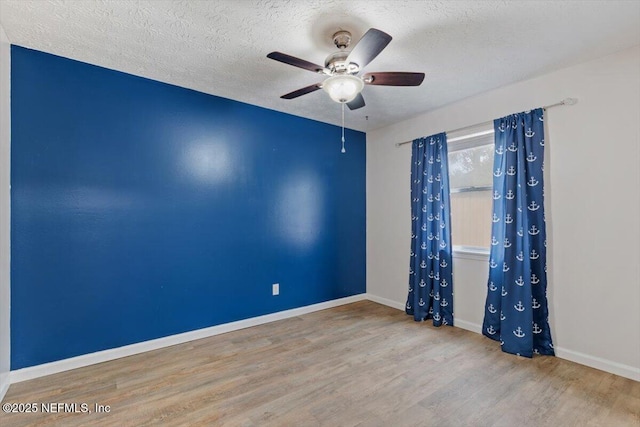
430 278
516 312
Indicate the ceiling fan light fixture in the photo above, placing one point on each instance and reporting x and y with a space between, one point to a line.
343 88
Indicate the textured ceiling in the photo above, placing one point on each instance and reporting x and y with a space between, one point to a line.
220 47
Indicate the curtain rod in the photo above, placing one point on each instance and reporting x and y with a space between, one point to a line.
566 101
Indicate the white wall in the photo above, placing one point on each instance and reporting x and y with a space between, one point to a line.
5 164
593 207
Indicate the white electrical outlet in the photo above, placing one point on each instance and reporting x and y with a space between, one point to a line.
275 289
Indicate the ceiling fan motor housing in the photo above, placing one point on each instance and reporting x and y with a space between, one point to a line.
337 63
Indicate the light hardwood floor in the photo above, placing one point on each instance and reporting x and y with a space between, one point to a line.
361 364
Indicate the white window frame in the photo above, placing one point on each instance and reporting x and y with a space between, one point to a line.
463 139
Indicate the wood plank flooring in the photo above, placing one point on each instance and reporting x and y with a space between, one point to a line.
361 364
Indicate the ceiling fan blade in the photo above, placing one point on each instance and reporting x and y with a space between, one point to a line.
303 91
358 102
392 78
369 46
296 62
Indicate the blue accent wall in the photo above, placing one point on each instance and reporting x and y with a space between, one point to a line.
141 210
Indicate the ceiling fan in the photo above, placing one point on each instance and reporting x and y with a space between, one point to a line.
344 83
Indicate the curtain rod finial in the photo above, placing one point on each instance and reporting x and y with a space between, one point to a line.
569 101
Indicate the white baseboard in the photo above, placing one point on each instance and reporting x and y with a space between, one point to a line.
573 356
469 326
463 324
4 385
37 371
385 301
129 350
599 363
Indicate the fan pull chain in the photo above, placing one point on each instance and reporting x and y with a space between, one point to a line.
343 150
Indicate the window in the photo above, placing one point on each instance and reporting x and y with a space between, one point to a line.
470 169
